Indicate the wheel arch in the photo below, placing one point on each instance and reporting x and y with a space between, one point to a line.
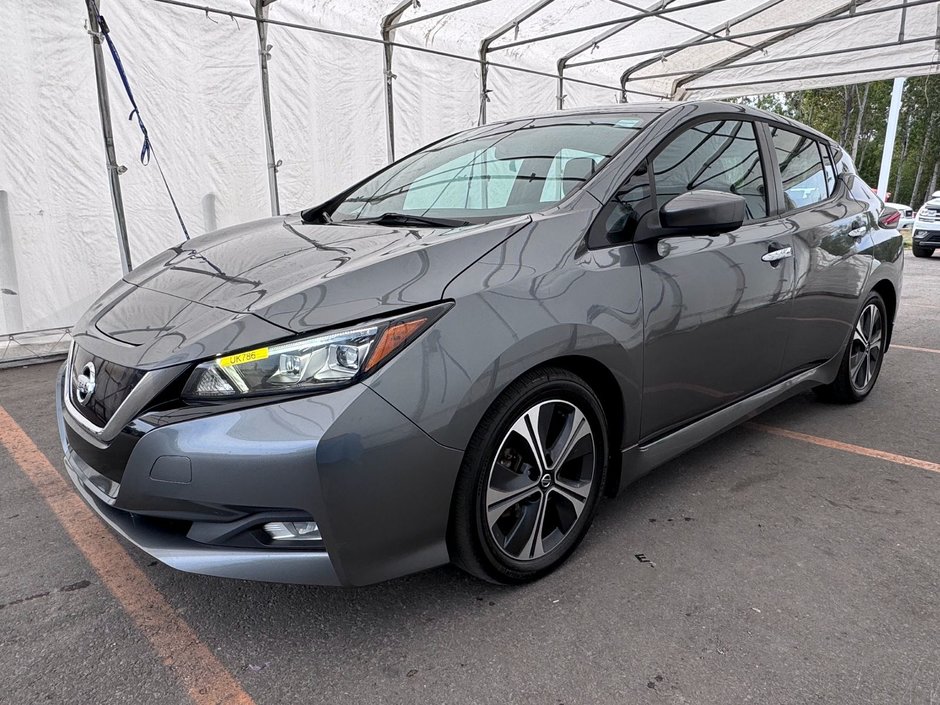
889 295
604 384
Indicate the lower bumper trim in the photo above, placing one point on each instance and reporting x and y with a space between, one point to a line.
177 551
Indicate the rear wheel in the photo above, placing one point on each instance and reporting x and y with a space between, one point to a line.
863 356
531 479
921 251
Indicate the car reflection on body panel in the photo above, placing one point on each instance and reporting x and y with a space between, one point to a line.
454 359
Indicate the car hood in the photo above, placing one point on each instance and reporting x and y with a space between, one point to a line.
273 278
932 203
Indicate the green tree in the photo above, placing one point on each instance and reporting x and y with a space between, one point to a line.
855 116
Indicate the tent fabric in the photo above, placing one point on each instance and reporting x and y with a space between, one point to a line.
196 77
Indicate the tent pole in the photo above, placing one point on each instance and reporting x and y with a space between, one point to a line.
438 13
823 19
107 134
596 40
264 55
607 23
486 45
387 27
703 35
787 59
484 91
892 130
897 68
10 296
376 40
760 46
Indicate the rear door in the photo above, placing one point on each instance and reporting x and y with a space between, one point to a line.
831 219
715 307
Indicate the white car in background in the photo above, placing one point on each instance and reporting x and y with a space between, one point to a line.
926 235
907 214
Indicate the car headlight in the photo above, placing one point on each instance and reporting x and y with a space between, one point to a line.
322 361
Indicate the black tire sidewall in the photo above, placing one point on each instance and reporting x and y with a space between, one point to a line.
844 372
550 384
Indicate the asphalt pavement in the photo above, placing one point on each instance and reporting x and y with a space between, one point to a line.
757 568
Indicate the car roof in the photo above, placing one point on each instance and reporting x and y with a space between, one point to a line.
661 107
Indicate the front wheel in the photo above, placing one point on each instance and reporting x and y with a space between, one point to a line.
863 356
921 251
531 479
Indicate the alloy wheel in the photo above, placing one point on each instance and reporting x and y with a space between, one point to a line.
541 479
867 343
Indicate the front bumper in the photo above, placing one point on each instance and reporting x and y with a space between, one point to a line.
378 487
926 235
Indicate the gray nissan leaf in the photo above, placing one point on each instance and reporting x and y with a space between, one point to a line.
453 360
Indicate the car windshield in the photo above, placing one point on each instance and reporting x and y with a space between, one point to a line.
491 172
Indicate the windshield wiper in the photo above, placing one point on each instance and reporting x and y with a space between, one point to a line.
415 220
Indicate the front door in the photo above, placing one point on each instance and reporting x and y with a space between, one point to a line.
715 306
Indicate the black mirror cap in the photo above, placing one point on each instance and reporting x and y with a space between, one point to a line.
704 211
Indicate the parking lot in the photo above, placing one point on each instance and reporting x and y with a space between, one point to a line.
792 560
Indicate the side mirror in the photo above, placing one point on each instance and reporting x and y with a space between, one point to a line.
704 212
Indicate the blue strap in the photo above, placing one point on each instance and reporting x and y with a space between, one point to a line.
146 149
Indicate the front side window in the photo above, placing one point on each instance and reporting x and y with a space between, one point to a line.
801 169
493 171
722 156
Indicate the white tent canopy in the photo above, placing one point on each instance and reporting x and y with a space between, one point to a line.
337 72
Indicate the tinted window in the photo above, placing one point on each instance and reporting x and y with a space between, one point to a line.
801 169
494 171
722 156
569 169
475 180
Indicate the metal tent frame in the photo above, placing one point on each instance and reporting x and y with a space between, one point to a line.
586 37
663 9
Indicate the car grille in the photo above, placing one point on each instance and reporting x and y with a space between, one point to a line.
929 215
113 383
927 235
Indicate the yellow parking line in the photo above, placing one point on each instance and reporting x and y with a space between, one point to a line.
848 447
911 347
205 678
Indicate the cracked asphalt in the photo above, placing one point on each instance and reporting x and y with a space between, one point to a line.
774 571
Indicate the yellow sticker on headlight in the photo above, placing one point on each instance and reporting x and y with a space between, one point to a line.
242 358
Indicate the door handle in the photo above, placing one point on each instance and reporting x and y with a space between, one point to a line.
859 229
858 233
778 254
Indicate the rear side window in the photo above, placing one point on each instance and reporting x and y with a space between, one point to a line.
721 155
801 169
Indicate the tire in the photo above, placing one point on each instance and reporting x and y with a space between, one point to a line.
921 251
863 356
540 507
